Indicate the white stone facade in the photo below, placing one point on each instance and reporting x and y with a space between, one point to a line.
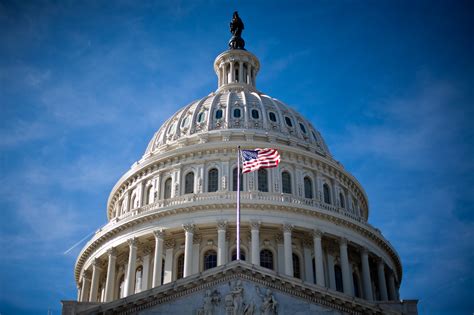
172 215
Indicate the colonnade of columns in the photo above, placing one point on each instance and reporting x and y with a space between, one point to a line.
227 73
324 276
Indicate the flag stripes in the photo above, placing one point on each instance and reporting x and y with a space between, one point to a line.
259 158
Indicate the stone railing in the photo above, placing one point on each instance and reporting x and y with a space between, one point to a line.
245 198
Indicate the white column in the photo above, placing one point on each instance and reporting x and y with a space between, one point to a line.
78 293
241 72
168 276
391 287
318 258
146 270
255 240
110 280
196 245
221 229
287 228
308 264
86 286
382 282
366 281
232 74
96 271
249 71
346 270
332 275
280 254
157 263
132 259
188 249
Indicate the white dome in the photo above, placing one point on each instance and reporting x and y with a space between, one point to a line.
238 110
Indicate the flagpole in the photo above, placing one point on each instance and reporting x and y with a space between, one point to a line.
238 203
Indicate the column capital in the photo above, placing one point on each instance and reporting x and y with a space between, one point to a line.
343 241
255 225
197 238
147 250
221 225
279 238
287 228
169 244
86 275
112 252
317 233
380 261
307 242
96 263
189 227
364 250
159 234
132 242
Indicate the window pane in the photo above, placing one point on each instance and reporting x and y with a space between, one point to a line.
210 259
219 114
272 116
234 180
288 121
212 184
308 188
255 114
263 180
302 128
327 194
341 200
189 183
338 274
234 254
167 188
180 267
296 266
266 259
286 182
237 113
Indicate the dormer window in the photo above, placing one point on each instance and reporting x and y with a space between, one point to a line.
288 121
219 114
302 127
272 116
201 117
255 114
237 113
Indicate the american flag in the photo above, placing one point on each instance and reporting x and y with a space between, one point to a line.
259 158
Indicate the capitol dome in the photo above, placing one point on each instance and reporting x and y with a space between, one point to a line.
172 217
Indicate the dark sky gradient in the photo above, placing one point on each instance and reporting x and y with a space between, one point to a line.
84 85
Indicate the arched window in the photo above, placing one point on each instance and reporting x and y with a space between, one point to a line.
213 180
296 266
237 113
138 279
338 275
272 116
341 200
286 182
189 183
263 180
149 194
234 180
210 259
255 114
355 280
133 201
219 114
327 194
236 71
288 121
167 194
184 122
266 259
180 267
122 286
234 254
308 188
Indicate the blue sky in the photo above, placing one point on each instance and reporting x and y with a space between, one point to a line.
84 85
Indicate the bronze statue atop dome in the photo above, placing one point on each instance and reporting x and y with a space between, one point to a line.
236 27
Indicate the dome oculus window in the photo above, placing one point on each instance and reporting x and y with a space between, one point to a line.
219 114
237 113
302 128
288 121
255 114
185 121
272 116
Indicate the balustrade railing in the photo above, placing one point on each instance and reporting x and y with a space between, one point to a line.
245 197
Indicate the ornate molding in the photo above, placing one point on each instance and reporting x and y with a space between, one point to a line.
189 228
